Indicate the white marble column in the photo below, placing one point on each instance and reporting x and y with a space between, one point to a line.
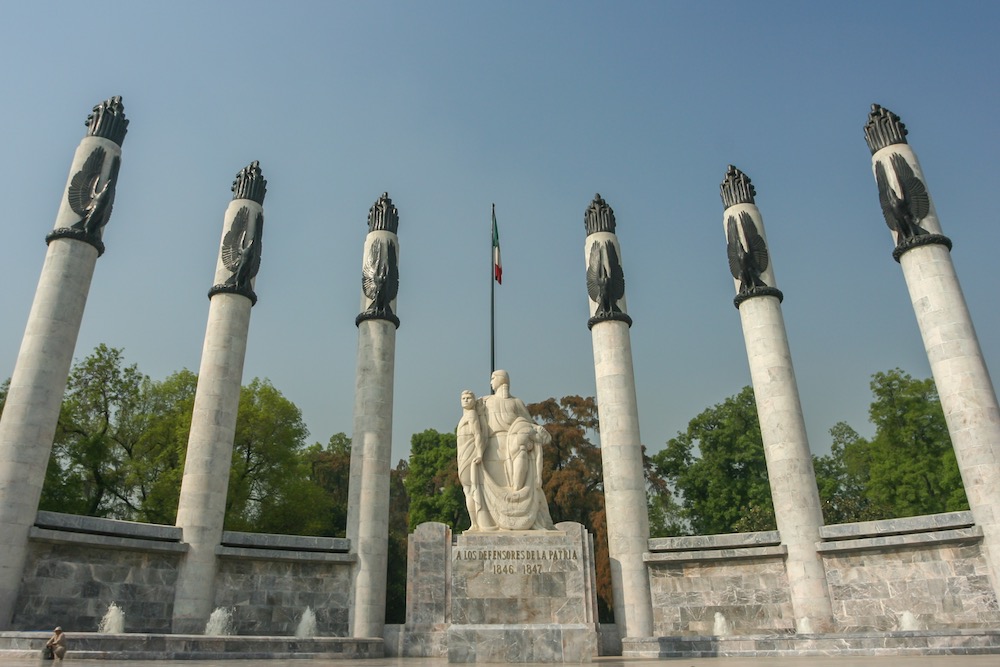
797 509
621 448
201 509
371 443
963 381
39 379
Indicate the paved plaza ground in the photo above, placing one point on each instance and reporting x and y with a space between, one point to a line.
811 661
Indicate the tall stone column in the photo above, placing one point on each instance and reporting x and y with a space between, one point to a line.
621 449
797 510
39 379
956 360
201 508
371 444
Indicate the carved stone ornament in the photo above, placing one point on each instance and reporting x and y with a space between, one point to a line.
241 251
605 283
746 263
599 217
736 188
108 120
243 241
380 282
905 206
883 129
91 197
250 184
383 215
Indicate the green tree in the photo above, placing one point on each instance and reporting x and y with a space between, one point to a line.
912 465
718 468
154 472
432 482
102 419
842 479
269 488
330 470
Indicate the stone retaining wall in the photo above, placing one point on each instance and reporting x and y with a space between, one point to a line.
269 580
917 573
78 566
740 576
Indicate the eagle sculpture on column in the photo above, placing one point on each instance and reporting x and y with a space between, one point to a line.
91 198
241 249
903 210
746 263
605 278
380 279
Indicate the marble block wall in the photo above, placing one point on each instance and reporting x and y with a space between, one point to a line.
917 573
741 576
77 566
929 568
268 581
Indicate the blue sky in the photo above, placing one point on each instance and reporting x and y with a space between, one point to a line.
452 106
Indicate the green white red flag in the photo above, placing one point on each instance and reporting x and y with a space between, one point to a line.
497 266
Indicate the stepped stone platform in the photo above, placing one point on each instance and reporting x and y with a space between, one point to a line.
899 643
135 646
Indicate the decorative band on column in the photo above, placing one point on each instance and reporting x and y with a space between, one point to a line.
76 235
917 241
380 268
763 290
242 290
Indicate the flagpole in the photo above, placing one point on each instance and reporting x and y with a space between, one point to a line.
493 360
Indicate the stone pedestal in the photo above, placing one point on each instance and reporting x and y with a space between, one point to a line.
503 596
523 596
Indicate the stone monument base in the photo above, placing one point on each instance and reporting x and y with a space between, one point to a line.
501 596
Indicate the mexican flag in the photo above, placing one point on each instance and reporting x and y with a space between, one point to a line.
497 267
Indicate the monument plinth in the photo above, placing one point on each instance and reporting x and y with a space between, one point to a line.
523 596
502 596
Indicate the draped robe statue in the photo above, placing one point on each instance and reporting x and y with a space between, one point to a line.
500 461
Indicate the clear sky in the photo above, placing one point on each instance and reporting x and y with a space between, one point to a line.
452 106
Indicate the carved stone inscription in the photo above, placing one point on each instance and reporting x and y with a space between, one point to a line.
517 561
515 577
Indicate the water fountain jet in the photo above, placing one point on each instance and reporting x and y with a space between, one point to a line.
721 627
307 624
113 622
220 623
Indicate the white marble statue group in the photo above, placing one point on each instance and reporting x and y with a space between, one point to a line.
500 461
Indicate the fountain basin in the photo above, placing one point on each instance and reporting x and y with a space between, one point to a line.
136 646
